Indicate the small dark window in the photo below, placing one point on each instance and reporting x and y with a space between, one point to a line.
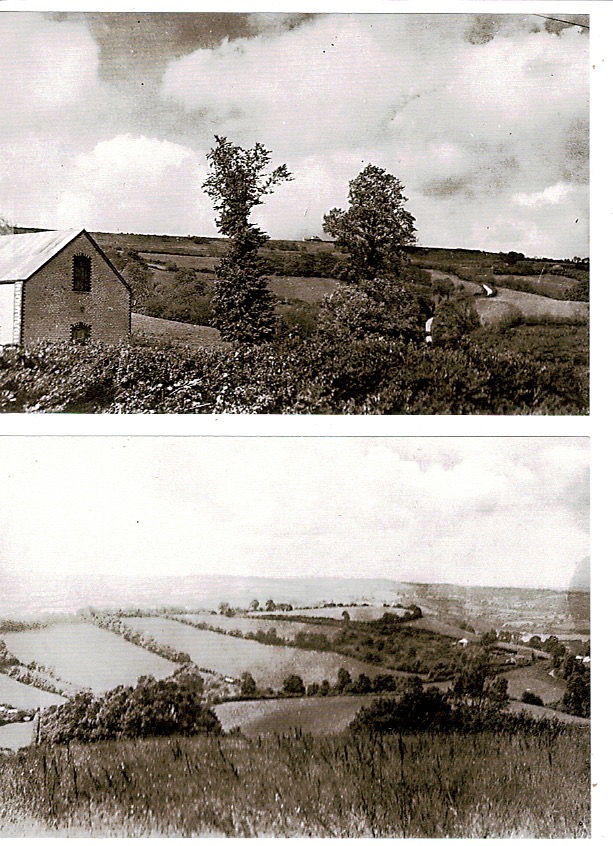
80 333
81 273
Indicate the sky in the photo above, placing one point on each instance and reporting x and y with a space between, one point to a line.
472 511
107 119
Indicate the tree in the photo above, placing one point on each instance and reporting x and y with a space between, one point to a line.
343 680
293 686
270 605
376 230
248 685
238 181
254 605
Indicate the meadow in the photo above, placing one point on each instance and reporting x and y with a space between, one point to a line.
230 656
318 716
87 656
25 696
518 784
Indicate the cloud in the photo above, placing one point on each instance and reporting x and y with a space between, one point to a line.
468 111
475 510
46 69
113 182
551 196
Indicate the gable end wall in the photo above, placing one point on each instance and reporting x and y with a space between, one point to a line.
50 307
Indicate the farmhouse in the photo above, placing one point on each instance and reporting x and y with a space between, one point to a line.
59 286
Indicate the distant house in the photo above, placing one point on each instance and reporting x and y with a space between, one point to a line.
60 286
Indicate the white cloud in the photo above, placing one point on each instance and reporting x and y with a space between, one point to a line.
551 196
110 186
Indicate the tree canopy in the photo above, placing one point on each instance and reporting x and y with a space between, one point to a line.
376 229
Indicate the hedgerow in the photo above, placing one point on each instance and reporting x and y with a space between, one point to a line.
329 375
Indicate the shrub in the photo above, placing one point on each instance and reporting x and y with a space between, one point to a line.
530 698
151 708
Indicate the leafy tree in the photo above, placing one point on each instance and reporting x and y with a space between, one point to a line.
576 699
238 181
293 685
376 230
343 680
270 605
248 685
6 228
254 605
381 308
324 689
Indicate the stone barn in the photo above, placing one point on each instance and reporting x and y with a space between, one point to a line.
59 286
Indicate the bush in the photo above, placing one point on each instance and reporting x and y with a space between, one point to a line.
151 708
530 698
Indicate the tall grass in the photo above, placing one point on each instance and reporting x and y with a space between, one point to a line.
426 785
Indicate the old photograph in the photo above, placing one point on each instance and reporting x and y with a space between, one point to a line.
284 213
295 636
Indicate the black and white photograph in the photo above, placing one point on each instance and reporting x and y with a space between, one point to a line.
295 637
295 213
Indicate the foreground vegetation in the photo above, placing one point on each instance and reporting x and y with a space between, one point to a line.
346 374
493 784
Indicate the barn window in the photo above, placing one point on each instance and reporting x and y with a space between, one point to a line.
80 333
81 273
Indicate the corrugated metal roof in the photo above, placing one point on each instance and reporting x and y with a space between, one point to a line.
23 255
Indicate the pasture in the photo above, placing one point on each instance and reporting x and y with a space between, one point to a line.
25 696
156 328
537 680
84 655
315 715
15 736
231 656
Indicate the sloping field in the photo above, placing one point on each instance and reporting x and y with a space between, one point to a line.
508 303
232 656
173 330
316 715
310 289
205 263
16 735
87 656
536 680
530 305
284 628
19 695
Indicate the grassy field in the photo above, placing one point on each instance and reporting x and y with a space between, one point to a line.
327 715
15 736
144 327
537 680
25 696
483 785
231 656
87 656
309 289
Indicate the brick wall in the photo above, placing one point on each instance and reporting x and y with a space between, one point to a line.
51 307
